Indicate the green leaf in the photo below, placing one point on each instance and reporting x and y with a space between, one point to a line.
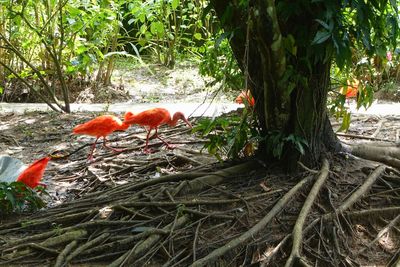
10 197
142 17
175 4
221 38
346 122
323 24
197 36
394 5
157 28
321 37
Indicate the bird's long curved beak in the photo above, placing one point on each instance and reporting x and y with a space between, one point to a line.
188 123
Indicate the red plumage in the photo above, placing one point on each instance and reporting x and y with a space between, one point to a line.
100 126
351 90
32 175
245 97
152 118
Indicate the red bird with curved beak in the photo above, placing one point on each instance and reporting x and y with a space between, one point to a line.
101 127
32 175
152 119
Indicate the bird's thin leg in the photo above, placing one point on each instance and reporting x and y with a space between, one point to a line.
146 149
167 144
90 157
113 149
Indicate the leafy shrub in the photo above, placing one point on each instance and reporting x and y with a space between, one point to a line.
168 28
231 137
277 140
219 62
17 197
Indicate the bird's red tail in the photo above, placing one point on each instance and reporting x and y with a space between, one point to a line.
79 129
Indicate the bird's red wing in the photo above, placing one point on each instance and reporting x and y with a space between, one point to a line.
32 175
100 126
152 117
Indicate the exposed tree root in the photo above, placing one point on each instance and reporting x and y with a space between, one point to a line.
214 216
219 177
61 257
381 233
388 155
87 245
142 247
298 227
255 229
331 216
362 190
362 214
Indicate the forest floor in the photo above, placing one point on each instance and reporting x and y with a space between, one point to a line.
175 207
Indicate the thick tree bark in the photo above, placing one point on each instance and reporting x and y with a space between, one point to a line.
291 92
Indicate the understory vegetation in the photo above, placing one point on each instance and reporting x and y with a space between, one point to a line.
17 197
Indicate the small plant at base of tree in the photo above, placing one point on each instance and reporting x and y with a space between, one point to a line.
230 137
16 197
276 141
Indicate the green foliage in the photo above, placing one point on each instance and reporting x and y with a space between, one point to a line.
219 62
276 141
17 197
228 136
169 27
54 41
368 27
354 35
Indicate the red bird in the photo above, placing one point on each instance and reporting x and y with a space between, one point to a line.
351 90
100 127
246 97
32 175
153 118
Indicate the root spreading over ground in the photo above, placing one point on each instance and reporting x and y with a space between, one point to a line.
180 208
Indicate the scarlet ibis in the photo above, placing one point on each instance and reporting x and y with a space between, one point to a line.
152 118
32 175
245 97
101 126
351 90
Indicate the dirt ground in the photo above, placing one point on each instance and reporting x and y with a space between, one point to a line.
134 83
30 136
33 135
115 198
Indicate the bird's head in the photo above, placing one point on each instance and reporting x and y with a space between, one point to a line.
179 116
128 116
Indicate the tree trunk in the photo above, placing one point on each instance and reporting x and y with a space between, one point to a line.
290 87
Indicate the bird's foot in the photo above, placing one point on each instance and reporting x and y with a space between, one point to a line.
90 159
169 146
148 150
118 149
